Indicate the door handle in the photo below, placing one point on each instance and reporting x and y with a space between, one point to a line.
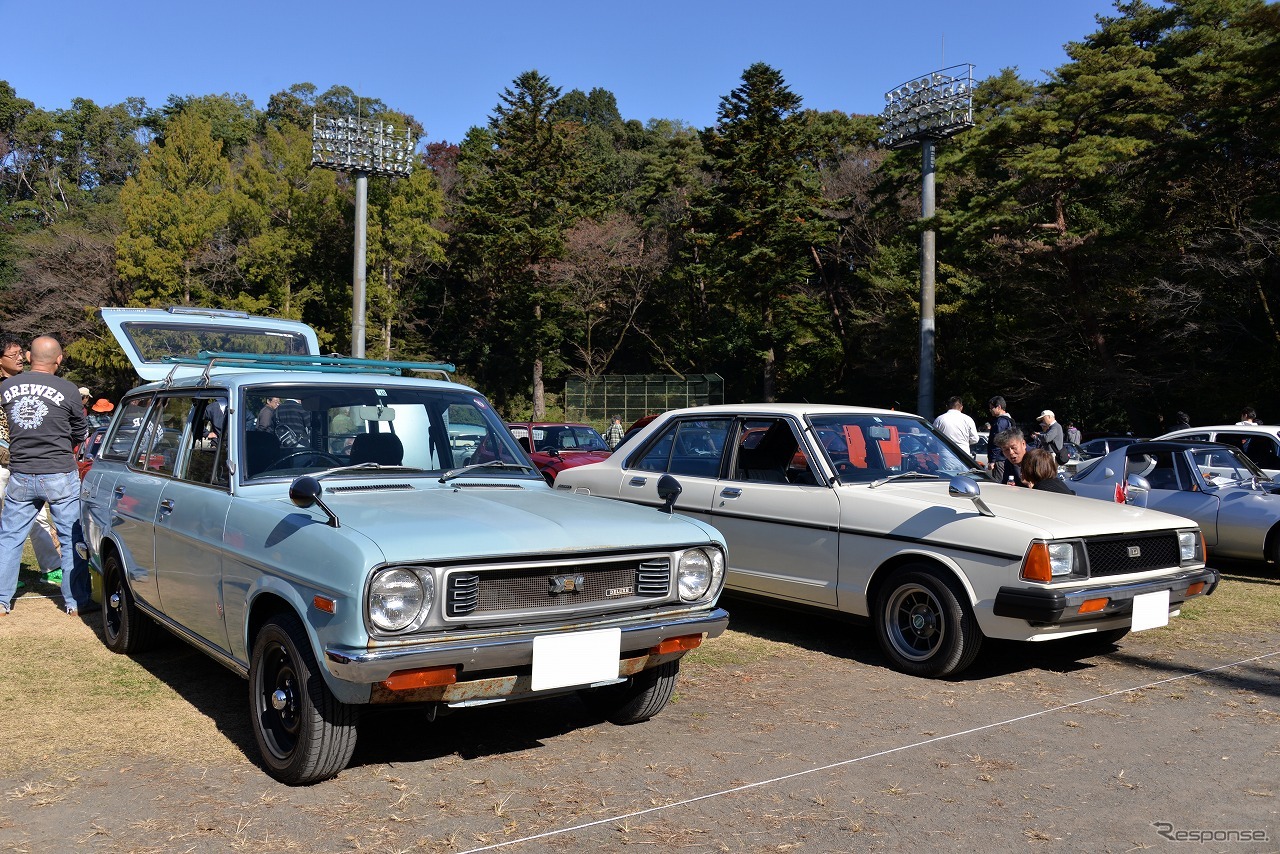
638 481
730 492
118 492
166 506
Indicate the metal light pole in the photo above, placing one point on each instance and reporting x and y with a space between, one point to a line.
362 147
929 108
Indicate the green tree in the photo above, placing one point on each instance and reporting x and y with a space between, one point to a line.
756 226
175 209
283 211
404 243
524 182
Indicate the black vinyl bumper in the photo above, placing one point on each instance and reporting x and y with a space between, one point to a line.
1046 606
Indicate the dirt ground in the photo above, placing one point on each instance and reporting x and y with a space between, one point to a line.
788 734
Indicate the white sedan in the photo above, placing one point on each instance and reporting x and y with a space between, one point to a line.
871 513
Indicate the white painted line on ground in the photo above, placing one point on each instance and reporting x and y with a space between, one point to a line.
843 762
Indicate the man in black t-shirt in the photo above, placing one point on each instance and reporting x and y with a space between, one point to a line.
46 419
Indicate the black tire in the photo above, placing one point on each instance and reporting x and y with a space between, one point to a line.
924 623
125 628
304 733
636 700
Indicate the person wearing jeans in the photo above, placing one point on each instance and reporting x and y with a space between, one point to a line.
42 535
25 496
45 421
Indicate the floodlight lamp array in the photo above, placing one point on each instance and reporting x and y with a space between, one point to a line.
933 106
348 144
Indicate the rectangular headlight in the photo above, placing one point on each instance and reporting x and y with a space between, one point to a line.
1189 550
1062 559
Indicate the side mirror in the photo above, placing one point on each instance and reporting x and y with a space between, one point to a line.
963 487
1137 490
669 490
305 492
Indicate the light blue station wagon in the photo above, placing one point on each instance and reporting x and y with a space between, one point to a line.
316 524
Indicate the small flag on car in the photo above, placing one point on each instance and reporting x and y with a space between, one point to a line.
1121 495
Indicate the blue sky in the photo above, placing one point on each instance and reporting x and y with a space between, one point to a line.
446 63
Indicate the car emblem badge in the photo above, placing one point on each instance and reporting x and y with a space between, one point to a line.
1134 551
567 583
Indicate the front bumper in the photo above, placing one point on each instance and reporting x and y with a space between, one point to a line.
1049 607
510 649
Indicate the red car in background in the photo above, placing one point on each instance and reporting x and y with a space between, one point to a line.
556 446
88 450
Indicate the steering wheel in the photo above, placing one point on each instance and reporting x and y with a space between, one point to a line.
305 452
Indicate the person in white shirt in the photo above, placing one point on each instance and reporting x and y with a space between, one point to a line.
957 426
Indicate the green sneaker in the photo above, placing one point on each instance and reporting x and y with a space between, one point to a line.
53 576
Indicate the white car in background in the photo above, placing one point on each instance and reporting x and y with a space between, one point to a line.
871 513
1259 442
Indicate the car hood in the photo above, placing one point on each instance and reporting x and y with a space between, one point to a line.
484 520
1051 514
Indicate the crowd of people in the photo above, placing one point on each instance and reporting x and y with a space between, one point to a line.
1010 460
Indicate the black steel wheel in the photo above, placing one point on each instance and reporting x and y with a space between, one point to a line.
924 623
125 628
304 733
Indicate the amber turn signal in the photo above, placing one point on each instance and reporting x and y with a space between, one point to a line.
1194 589
1035 566
1092 606
324 603
679 644
423 677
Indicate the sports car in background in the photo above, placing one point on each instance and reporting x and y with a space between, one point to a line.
1236 505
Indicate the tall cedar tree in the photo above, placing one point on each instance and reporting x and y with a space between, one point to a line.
524 180
756 226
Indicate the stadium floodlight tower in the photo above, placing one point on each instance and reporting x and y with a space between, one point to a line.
362 147
929 108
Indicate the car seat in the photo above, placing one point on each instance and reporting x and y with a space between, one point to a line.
382 448
769 459
260 450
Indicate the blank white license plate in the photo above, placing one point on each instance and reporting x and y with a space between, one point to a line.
1150 610
576 659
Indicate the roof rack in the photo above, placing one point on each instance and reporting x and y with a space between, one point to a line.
328 364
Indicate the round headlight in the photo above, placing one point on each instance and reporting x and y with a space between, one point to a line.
693 575
397 596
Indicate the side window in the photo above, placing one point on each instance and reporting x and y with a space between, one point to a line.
206 454
698 446
657 454
1259 448
1158 469
128 422
158 449
767 453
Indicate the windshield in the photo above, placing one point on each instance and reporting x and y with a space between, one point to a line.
567 438
866 447
1225 465
305 429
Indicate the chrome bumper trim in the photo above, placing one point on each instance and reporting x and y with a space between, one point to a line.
509 649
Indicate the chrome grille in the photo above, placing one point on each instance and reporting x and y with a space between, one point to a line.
1111 555
531 588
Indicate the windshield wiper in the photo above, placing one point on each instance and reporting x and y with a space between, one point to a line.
362 467
902 475
452 473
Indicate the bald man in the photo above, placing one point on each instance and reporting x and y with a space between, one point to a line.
45 421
